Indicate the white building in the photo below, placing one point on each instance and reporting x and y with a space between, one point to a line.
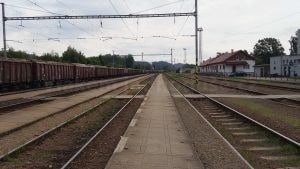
228 63
288 66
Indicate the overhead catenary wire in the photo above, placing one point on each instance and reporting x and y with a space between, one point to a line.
156 7
83 38
74 25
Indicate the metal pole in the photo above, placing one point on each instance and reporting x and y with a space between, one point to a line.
113 58
4 30
201 47
196 34
142 61
171 56
184 55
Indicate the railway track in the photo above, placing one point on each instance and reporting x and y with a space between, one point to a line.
262 146
283 101
14 104
260 84
84 140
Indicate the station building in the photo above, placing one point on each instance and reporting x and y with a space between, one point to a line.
228 63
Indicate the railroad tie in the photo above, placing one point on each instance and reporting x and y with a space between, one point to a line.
253 140
278 158
244 133
264 148
238 128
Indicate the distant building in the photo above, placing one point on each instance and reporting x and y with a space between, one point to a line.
187 70
262 70
298 44
228 63
287 66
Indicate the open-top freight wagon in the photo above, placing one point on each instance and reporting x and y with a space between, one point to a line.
15 73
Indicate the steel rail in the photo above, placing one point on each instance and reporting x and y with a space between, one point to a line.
231 87
35 139
45 96
99 131
215 130
282 136
259 84
251 91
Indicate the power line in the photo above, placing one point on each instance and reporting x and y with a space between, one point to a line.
116 10
31 9
181 29
43 8
156 7
127 6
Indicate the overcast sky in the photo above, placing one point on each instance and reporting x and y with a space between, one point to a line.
227 24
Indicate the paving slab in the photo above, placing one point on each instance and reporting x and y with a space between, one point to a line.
157 139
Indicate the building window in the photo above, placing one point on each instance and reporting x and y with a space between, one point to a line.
246 66
283 61
274 68
224 65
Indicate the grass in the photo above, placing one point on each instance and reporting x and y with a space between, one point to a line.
43 154
266 111
261 81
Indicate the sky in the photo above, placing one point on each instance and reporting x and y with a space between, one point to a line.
227 24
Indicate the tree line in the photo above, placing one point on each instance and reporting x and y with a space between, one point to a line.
71 55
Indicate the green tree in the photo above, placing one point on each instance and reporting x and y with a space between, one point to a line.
18 54
293 42
266 48
71 55
129 61
94 60
50 57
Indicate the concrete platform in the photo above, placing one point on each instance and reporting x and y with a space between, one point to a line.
156 137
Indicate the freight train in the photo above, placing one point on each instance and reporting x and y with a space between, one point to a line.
15 73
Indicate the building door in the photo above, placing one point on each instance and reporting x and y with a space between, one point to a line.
262 72
233 68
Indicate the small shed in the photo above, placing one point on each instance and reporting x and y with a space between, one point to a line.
262 70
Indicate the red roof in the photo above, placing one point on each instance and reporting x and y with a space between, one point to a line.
236 63
224 57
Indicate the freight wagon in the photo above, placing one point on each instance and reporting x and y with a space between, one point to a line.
16 73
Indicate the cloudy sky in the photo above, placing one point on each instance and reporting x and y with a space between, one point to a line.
227 24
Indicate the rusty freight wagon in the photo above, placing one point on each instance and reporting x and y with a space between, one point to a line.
84 72
15 72
52 72
101 71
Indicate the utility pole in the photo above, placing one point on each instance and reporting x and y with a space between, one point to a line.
196 35
142 60
184 55
172 55
4 30
201 45
113 58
